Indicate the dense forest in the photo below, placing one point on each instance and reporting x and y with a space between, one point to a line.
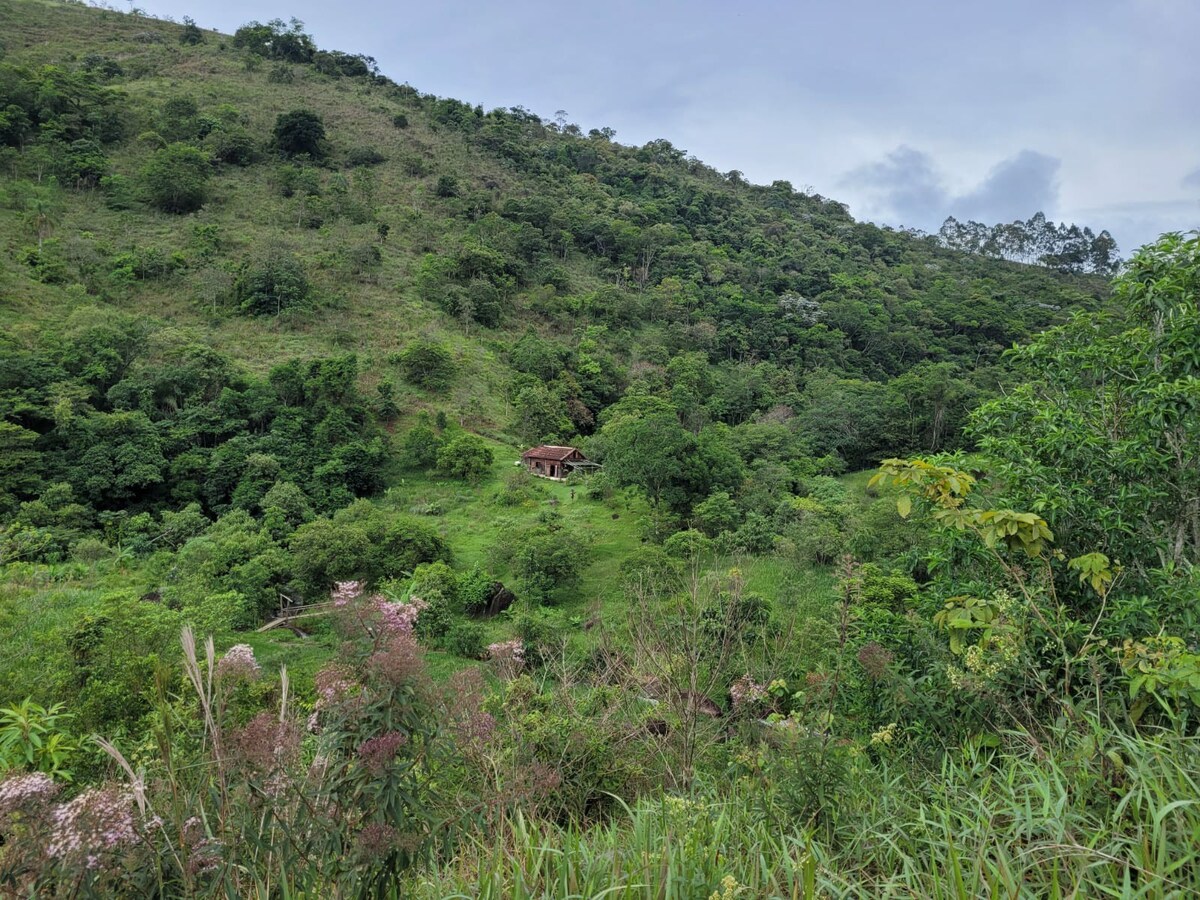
884 585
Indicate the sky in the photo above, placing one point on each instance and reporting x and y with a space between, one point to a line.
906 111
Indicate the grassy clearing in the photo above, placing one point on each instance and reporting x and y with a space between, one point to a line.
1029 821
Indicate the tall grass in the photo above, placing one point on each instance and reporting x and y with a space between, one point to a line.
1117 817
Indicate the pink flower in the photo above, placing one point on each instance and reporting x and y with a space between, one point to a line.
345 591
398 661
378 752
875 659
239 664
25 791
377 840
394 617
464 705
99 820
333 683
264 744
509 657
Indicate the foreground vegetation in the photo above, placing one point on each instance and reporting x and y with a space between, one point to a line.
279 338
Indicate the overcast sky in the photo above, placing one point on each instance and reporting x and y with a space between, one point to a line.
907 111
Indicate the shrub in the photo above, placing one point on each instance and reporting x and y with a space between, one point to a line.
687 544
474 590
300 132
83 165
427 363
190 34
519 487
364 156
281 73
400 120
465 456
419 449
716 514
232 145
176 178
364 542
269 285
437 616
465 639
546 557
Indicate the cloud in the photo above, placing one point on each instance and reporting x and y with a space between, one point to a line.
907 188
1015 189
906 184
1192 178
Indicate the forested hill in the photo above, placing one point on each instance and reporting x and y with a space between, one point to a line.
229 252
274 331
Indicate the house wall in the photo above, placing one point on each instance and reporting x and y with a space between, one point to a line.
547 468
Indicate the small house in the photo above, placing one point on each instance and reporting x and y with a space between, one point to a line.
554 462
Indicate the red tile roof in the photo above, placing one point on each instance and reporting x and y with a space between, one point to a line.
552 453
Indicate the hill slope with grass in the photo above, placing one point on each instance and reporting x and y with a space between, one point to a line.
248 281
275 332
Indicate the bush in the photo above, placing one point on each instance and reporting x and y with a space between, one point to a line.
419 449
687 544
233 146
465 639
474 590
84 164
717 513
362 542
546 557
176 178
427 364
519 487
190 34
439 614
271 284
91 550
465 456
281 73
300 132
400 120
364 156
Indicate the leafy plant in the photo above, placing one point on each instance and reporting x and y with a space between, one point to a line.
35 737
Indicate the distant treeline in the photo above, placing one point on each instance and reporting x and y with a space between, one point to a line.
1066 248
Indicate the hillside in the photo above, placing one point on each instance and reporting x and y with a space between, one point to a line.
276 329
195 313
496 224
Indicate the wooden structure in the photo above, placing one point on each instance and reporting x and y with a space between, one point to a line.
555 462
290 610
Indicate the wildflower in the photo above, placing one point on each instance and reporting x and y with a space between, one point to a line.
345 591
885 735
397 618
333 683
471 723
509 656
729 889
239 664
203 851
956 676
398 661
376 840
378 752
875 659
746 692
265 744
25 791
97 821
